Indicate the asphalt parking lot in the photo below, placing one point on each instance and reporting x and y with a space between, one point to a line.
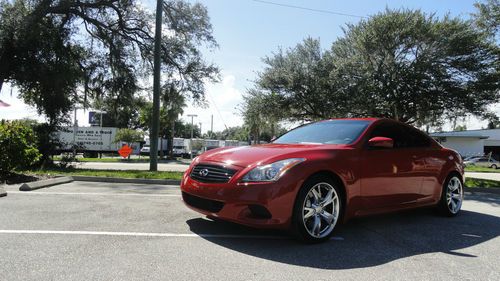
104 231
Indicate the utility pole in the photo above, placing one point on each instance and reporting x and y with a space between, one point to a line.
211 125
192 127
153 138
75 128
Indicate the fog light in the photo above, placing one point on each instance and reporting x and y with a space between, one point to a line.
259 211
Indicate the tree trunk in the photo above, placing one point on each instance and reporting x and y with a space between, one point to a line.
396 116
128 157
161 147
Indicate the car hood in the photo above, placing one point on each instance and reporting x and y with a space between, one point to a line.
244 156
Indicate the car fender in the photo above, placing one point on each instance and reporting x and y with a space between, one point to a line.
344 166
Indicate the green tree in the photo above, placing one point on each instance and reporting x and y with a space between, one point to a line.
174 103
17 146
49 56
260 115
399 64
240 133
121 113
66 52
297 81
145 121
416 68
184 130
488 16
129 136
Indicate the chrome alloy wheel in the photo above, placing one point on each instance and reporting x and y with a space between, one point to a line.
320 210
454 195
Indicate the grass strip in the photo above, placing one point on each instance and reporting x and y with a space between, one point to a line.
473 182
481 169
126 174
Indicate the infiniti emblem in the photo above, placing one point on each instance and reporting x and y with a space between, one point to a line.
203 172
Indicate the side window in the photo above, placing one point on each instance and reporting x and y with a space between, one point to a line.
403 136
393 131
417 138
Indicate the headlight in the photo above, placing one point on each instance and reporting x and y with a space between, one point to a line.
271 172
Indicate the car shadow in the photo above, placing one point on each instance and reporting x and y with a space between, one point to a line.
362 242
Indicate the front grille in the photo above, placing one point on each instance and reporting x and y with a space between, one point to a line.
211 173
202 203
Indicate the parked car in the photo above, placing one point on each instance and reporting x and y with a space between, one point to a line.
145 149
318 175
469 158
483 162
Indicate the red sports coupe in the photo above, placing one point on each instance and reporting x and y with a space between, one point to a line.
320 174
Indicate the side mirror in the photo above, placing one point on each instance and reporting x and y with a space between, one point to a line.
381 142
273 138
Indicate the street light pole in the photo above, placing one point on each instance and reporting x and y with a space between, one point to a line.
153 138
75 128
192 127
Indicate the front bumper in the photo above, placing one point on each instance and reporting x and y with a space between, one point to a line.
262 205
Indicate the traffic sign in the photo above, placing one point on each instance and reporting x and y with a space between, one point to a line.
125 151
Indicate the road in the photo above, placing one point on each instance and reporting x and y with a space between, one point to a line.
104 231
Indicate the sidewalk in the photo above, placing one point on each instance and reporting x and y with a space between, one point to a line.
485 176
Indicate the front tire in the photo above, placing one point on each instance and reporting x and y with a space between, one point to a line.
494 166
317 210
452 196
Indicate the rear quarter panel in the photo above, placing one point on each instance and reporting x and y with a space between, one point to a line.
440 164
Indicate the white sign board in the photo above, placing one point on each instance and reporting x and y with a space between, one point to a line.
89 138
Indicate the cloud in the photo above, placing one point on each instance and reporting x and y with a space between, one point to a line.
223 99
224 96
17 109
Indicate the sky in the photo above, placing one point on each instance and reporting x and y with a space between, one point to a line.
248 30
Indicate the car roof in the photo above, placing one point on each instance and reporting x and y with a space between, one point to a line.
364 119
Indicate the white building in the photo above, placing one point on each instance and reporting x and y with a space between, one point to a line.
472 142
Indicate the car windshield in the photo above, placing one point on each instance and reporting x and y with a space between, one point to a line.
326 132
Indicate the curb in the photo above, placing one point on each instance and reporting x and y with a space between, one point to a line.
125 180
29 186
482 190
3 193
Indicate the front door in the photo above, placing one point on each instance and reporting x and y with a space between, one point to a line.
391 176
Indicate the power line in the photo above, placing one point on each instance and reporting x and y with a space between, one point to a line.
309 9
218 111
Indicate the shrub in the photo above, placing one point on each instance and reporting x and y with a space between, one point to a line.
18 146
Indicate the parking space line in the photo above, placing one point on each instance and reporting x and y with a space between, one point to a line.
146 234
93 194
138 234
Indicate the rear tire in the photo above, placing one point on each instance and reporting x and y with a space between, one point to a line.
494 166
452 196
317 210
